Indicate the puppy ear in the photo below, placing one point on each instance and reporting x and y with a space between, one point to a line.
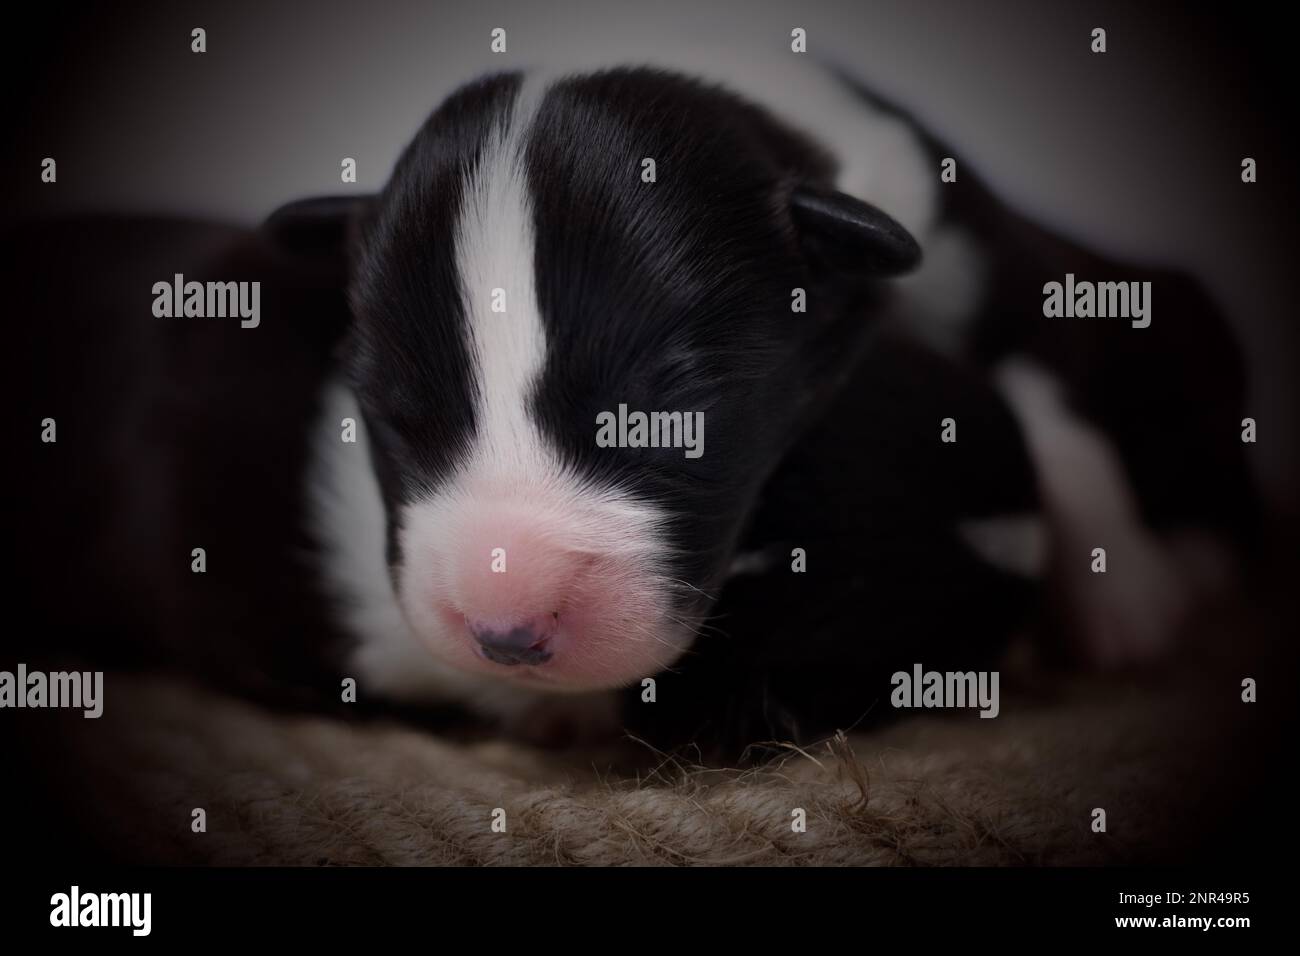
850 236
319 228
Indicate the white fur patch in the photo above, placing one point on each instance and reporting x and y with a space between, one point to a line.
938 301
494 251
883 161
1132 610
348 509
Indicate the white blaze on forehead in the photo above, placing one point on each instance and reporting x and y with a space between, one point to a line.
495 251
513 486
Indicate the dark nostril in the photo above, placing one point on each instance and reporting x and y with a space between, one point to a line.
516 645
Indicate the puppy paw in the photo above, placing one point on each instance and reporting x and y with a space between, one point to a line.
1132 614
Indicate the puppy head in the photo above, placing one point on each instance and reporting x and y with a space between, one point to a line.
546 263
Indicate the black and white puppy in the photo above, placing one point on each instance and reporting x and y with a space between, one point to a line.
520 279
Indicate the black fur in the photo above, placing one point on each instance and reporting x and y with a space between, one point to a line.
677 294
172 434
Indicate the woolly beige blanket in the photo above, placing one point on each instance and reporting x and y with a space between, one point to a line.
277 789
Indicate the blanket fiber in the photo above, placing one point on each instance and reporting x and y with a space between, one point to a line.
1165 759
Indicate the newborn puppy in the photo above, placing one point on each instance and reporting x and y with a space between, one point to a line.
455 501
549 252
522 278
519 281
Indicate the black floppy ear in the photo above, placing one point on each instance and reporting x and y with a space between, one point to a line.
849 235
321 227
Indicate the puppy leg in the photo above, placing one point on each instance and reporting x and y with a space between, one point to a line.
1130 613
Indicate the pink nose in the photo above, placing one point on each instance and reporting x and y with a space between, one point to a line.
524 643
513 580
